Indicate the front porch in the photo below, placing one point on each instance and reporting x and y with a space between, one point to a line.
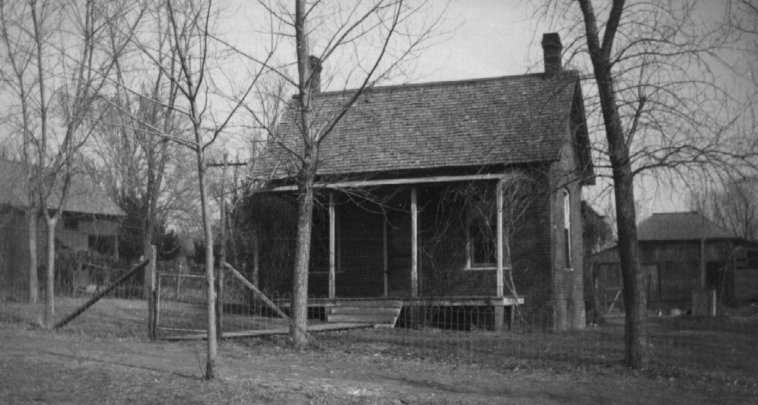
460 313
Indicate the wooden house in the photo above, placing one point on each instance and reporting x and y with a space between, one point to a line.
410 181
682 252
89 222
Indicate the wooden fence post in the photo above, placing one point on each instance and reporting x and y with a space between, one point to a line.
152 313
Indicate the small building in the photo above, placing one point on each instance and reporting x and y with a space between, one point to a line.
90 222
681 252
409 183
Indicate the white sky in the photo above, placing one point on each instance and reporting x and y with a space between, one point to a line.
480 38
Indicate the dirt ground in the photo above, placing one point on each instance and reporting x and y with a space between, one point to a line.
40 367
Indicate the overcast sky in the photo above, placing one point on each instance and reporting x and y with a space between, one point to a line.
487 38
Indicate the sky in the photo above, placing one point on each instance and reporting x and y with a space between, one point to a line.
477 38
489 38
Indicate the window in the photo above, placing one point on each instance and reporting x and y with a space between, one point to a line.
105 245
566 228
481 237
70 222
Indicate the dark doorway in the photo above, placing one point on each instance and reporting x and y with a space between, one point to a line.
398 254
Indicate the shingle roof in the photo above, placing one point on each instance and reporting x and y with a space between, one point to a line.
502 120
83 196
680 226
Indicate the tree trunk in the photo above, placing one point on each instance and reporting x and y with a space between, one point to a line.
209 276
635 302
299 302
147 243
31 226
50 279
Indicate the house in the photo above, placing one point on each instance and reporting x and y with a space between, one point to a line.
89 222
409 182
681 252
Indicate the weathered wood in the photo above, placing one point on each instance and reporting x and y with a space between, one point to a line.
387 182
327 327
499 318
361 311
332 245
264 298
222 254
99 295
374 312
365 318
369 303
414 242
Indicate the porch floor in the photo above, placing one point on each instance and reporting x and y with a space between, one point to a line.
457 301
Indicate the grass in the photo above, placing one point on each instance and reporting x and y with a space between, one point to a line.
716 352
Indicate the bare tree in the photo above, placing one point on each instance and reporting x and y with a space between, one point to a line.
381 38
19 54
665 115
191 57
60 62
734 206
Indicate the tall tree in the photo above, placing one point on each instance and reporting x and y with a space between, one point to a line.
195 57
382 35
666 116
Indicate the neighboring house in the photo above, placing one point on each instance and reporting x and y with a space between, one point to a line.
681 252
408 182
90 221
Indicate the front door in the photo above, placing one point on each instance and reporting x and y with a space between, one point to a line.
398 254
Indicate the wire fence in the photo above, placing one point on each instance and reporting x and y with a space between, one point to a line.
679 345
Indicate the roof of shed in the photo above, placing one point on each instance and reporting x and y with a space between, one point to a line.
471 123
83 196
680 226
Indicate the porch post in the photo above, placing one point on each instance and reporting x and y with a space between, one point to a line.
332 245
414 242
703 276
500 308
385 259
499 275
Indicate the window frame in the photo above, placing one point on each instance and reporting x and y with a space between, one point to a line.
566 230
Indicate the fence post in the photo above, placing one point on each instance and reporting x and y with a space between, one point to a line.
152 313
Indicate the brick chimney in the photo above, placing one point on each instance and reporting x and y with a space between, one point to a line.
551 48
314 65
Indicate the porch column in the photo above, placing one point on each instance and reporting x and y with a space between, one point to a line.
500 308
414 242
332 245
385 258
703 276
499 274
115 247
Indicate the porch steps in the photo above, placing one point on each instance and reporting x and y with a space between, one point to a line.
378 313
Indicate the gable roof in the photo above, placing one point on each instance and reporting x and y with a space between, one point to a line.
471 123
680 226
83 196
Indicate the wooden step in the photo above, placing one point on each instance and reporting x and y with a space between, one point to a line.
374 319
360 311
378 313
375 304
